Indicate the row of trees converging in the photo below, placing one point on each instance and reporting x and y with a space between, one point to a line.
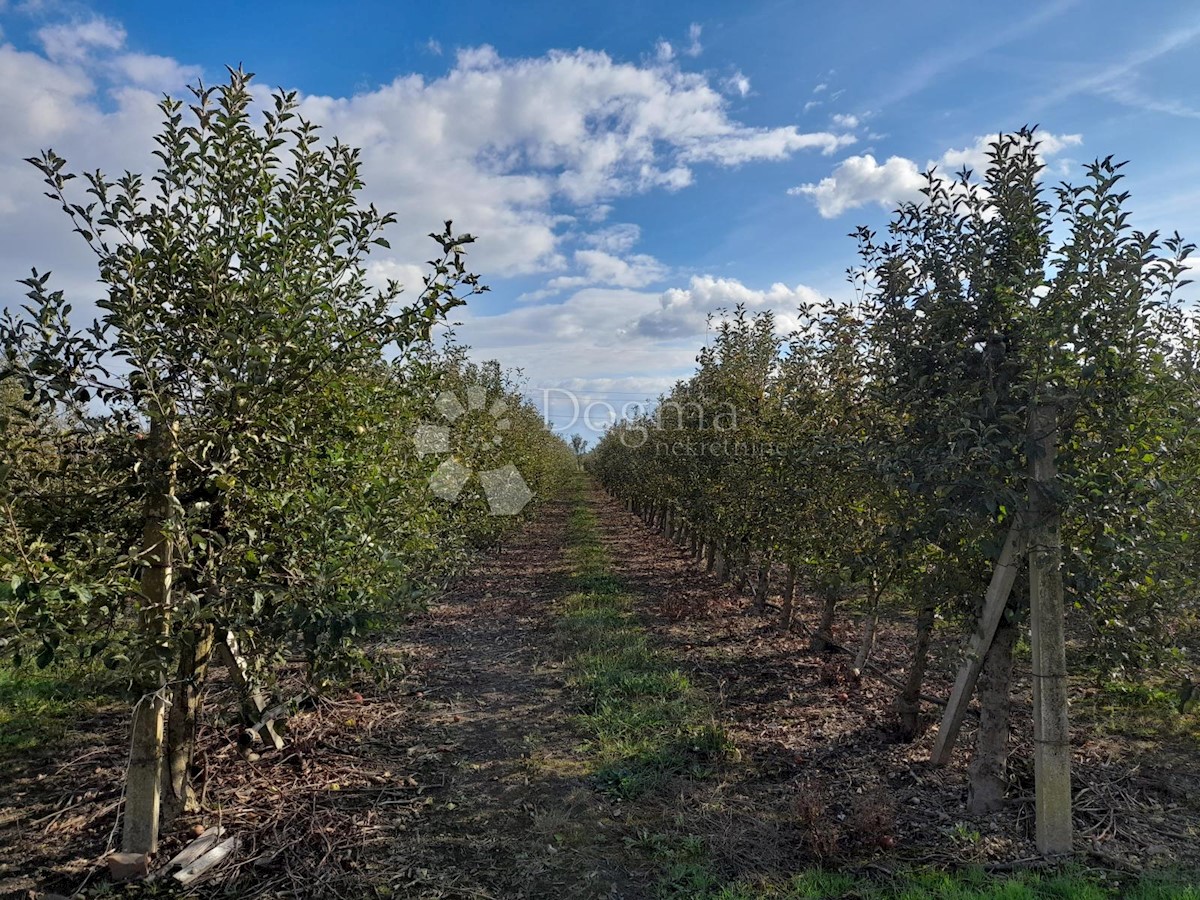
881 449
225 461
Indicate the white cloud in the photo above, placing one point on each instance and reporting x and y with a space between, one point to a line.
74 42
529 154
638 270
861 180
665 51
778 143
616 238
44 104
604 268
684 312
38 99
820 88
845 121
158 73
975 156
737 83
501 146
582 341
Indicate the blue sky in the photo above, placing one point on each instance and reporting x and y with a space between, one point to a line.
628 168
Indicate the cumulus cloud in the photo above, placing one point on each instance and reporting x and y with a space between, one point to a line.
845 121
47 104
502 145
975 156
74 42
582 342
597 267
861 180
634 271
684 312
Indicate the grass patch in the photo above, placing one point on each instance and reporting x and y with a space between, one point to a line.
646 723
689 876
38 707
1146 711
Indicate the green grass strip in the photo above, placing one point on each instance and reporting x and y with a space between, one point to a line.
646 723
687 874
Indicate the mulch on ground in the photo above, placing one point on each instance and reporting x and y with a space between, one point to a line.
823 777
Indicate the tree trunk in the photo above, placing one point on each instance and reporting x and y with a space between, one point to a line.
789 598
988 764
908 704
722 564
710 555
867 643
742 568
195 653
694 543
763 583
825 629
143 786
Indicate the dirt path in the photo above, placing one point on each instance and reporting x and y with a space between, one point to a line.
514 814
